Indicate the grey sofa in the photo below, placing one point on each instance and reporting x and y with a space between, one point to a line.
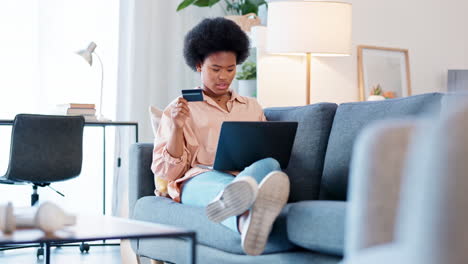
311 227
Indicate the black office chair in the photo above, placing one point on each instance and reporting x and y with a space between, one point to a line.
44 149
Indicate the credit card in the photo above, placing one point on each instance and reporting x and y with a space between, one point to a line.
193 95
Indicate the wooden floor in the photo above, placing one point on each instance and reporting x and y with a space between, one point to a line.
68 255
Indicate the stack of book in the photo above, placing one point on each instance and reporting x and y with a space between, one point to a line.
86 110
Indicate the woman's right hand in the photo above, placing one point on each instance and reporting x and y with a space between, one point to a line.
180 113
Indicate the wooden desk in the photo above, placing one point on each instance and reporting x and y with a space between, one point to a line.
89 228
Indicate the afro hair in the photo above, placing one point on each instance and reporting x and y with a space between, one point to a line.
212 35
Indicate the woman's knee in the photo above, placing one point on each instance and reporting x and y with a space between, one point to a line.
271 163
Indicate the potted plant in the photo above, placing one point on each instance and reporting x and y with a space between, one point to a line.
248 79
234 7
243 12
378 94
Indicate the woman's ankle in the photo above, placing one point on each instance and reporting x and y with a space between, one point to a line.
241 221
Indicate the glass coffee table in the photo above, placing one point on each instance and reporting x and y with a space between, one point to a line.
90 228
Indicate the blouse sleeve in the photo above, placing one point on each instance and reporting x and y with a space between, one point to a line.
164 165
260 112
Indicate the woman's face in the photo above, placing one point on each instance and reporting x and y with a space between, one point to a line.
217 72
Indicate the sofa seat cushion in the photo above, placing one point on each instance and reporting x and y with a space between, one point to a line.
318 226
165 211
350 119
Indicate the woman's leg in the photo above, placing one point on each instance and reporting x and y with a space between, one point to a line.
238 196
273 191
225 197
272 196
203 188
259 169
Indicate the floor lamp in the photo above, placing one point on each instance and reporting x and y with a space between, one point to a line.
87 54
310 28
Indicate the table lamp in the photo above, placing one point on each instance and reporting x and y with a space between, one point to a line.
311 28
87 54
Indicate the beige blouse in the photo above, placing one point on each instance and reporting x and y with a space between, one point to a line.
201 133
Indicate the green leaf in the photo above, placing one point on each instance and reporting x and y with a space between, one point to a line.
249 7
257 2
249 71
184 4
205 3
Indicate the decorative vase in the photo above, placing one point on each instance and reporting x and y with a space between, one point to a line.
248 88
375 98
245 22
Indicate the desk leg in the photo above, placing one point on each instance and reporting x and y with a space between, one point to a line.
104 170
192 249
104 173
136 133
47 253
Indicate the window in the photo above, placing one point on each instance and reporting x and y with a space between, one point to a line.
39 69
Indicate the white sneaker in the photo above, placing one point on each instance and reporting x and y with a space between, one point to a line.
273 193
236 198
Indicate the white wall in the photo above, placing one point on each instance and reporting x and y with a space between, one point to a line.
432 30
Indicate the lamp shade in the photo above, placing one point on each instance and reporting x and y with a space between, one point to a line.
319 28
87 53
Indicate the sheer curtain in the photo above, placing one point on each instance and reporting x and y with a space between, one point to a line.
39 69
152 70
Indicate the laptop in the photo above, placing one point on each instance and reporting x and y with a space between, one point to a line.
242 143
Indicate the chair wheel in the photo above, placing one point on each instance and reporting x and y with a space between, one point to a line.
84 247
40 252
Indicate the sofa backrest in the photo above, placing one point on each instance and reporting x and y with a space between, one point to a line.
350 119
306 164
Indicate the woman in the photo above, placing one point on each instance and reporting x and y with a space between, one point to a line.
188 134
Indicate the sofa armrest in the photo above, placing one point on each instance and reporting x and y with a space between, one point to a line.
141 178
375 182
